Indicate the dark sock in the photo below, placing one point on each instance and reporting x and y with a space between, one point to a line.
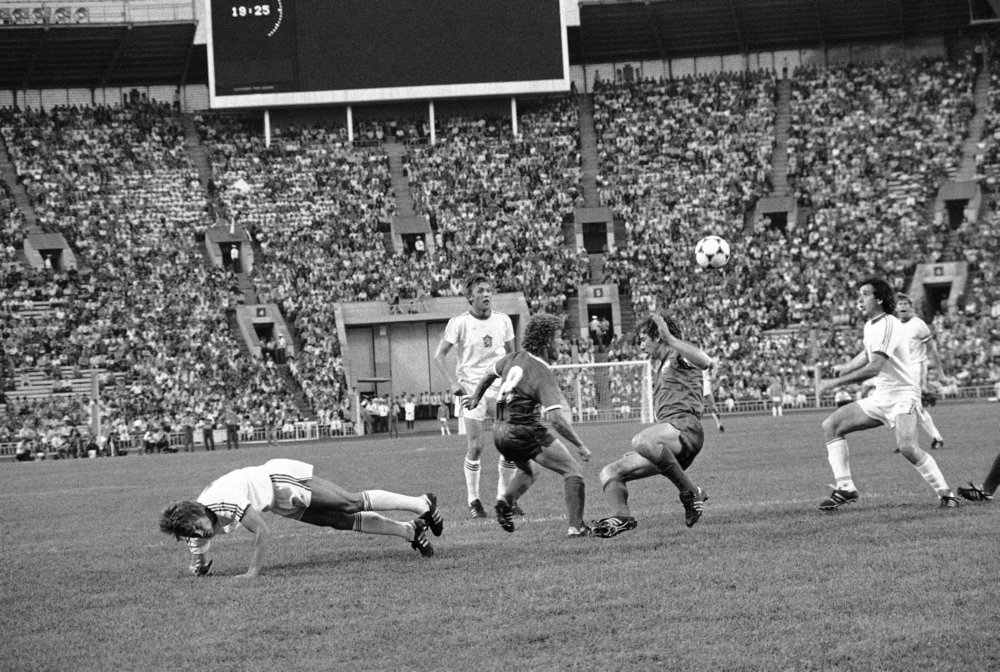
573 486
993 478
617 495
671 468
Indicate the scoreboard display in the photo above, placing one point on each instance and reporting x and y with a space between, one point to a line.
303 52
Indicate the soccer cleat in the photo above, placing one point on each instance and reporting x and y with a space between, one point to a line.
505 515
476 509
516 509
950 502
420 542
578 532
721 428
611 527
694 505
433 515
838 498
937 443
974 493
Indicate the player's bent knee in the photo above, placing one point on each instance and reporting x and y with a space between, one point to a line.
609 473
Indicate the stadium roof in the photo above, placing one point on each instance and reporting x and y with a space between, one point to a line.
616 30
130 54
85 56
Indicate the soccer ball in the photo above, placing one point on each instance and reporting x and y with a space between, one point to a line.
711 252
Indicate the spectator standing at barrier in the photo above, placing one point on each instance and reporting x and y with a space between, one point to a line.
232 420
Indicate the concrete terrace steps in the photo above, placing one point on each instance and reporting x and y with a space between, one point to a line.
588 150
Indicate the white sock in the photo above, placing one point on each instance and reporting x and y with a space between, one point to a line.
928 424
507 471
472 479
928 468
382 500
375 523
839 456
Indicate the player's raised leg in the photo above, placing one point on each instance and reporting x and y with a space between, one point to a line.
846 419
661 444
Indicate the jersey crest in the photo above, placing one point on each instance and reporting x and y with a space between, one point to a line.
487 341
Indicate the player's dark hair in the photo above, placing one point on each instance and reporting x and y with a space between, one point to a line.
883 293
178 518
538 333
648 327
472 281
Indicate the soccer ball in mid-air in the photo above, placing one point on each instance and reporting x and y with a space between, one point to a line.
711 252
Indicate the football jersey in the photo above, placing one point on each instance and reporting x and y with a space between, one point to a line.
918 334
230 496
478 342
677 389
528 388
885 334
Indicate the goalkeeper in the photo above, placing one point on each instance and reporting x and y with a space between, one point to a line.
289 488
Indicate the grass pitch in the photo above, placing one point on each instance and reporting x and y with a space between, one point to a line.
764 582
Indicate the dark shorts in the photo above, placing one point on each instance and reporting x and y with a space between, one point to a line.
520 443
692 437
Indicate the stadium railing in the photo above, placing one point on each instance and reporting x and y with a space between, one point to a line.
314 431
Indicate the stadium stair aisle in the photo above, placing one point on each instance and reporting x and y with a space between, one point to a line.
196 151
980 96
20 196
588 150
400 184
782 124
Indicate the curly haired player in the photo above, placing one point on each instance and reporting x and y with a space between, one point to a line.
668 447
290 489
529 390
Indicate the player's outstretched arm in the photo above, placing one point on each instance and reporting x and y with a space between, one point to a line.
869 370
858 361
254 522
690 352
564 428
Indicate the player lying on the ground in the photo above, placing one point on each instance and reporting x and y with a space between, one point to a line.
529 390
288 488
668 447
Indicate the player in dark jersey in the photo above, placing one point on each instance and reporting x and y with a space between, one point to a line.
529 391
669 446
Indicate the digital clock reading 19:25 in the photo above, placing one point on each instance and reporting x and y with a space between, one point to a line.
251 10
273 10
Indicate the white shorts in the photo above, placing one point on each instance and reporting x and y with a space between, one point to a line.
292 496
887 406
487 405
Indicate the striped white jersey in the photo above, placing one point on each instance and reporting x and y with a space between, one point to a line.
885 334
230 496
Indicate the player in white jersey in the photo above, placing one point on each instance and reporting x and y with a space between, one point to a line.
289 488
707 383
923 353
480 337
894 403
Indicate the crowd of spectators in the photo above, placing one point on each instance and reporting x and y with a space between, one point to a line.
116 183
677 159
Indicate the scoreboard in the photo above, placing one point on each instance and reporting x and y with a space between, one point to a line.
264 53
